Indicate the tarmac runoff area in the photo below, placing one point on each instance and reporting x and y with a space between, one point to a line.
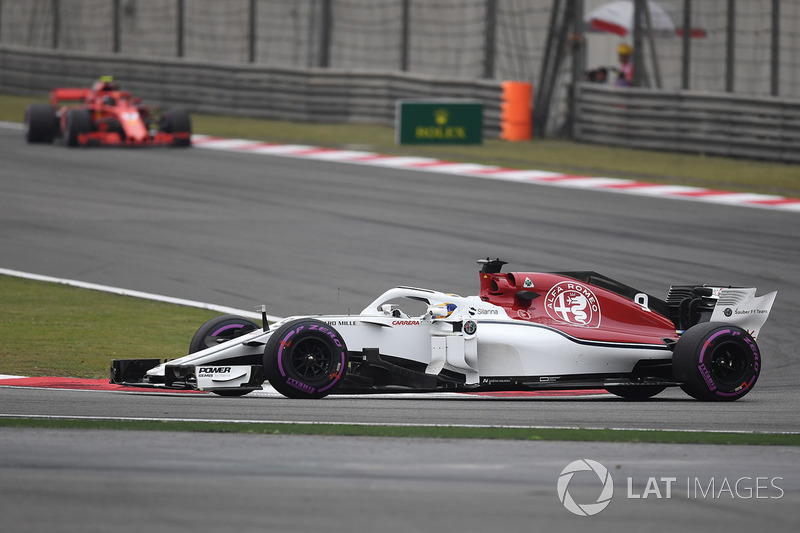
60 480
96 481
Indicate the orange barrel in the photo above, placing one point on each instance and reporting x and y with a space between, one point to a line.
517 91
515 116
516 132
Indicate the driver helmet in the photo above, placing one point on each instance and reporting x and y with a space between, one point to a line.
106 83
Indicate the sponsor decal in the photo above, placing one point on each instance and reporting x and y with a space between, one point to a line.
752 346
528 283
496 380
707 377
470 327
441 130
214 369
300 386
326 331
405 322
523 314
482 311
342 323
573 303
728 311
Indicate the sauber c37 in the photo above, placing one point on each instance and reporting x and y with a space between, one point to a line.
523 331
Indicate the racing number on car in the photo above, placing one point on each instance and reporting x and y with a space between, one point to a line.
573 303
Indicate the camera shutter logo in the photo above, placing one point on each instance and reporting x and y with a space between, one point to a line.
587 509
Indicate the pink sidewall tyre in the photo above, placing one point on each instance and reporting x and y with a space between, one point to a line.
716 362
305 358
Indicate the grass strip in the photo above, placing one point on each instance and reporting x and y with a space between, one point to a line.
558 155
50 329
428 432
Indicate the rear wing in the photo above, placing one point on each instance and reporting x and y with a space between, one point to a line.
68 94
741 307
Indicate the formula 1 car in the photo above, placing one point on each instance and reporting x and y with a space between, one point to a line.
105 115
524 331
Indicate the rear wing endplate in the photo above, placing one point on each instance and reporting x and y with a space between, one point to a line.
741 307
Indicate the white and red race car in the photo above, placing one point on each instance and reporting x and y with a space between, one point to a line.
524 331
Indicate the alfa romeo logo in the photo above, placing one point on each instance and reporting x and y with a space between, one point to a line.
585 509
573 303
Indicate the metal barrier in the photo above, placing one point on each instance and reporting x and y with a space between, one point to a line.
709 123
712 123
283 93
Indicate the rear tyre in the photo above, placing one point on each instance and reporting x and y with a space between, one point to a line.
218 330
179 123
40 123
716 362
76 123
305 358
636 392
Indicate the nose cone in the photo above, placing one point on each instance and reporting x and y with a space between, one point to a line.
135 130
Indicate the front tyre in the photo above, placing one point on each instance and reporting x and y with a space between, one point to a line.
178 122
40 123
218 330
77 122
716 362
305 358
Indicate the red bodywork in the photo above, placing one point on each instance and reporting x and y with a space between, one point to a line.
579 308
117 117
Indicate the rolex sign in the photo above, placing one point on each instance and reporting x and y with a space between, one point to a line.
439 122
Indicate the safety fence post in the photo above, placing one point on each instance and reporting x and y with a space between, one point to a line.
686 54
489 39
115 27
776 48
730 47
56 21
405 29
251 32
179 30
325 35
639 77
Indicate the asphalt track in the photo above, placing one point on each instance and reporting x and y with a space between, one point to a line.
306 237
256 483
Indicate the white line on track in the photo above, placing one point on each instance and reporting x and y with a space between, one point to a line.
12 125
136 294
382 424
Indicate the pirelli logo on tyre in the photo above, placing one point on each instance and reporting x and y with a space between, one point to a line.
573 303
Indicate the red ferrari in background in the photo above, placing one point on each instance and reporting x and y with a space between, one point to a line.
104 115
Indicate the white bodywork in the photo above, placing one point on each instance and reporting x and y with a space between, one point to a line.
460 334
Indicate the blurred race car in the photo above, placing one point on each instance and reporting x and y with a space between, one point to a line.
105 115
524 331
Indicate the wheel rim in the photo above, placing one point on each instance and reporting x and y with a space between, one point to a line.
729 363
311 359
